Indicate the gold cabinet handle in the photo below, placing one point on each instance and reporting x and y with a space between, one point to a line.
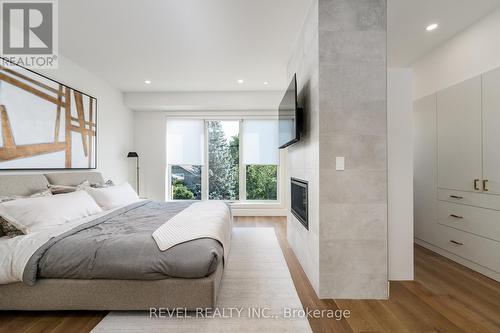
455 242
485 187
456 197
456 216
476 187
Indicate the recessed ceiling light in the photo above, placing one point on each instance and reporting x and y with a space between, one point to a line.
431 27
266 83
147 82
240 81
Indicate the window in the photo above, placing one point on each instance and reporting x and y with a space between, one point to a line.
185 181
222 159
185 140
261 157
262 182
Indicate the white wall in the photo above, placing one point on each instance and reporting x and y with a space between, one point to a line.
473 51
400 173
150 143
115 128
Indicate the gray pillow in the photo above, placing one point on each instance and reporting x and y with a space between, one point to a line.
7 229
108 183
42 193
59 189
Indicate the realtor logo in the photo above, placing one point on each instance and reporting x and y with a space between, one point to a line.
29 32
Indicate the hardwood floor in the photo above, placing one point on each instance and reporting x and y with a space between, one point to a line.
53 322
445 297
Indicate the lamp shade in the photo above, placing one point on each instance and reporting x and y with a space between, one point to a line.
132 154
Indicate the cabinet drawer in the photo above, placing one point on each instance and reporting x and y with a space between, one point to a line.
477 249
470 198
479 221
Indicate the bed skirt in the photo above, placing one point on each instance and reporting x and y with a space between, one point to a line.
72 294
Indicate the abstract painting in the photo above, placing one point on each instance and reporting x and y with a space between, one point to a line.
44 124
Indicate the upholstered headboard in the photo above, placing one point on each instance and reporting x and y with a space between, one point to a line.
73 178
22 184
29 184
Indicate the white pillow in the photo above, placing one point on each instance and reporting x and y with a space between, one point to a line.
114 196
32 214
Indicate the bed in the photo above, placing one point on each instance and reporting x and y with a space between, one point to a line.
111 261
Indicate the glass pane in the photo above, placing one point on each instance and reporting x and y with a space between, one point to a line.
186 182
262 182
223 160
185 141
260 142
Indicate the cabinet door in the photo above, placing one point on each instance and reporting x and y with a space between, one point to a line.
459 135
491 130
425 169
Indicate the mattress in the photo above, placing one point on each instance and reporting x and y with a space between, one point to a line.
120 246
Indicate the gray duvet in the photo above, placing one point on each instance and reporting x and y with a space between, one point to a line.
119 245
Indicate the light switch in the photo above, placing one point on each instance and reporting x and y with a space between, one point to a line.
340 163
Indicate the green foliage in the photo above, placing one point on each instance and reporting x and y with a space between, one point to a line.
181 191
234 153
262 182
221 161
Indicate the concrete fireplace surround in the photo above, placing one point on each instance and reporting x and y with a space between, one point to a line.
340 61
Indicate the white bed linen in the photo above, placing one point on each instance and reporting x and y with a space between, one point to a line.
33 214
15 252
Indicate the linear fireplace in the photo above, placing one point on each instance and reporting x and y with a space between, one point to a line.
300 201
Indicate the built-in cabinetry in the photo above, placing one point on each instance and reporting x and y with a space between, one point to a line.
491 131
457 172
459 136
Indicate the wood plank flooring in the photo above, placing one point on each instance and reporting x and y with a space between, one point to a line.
445 297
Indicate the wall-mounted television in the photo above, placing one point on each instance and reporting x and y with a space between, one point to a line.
289 115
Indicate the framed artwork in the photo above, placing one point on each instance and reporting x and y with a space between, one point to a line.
44 124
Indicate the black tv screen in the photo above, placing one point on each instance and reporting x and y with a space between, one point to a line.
288 113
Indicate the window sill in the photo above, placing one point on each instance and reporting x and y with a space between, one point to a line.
271 204
257 205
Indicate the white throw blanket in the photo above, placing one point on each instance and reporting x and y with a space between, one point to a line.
205 219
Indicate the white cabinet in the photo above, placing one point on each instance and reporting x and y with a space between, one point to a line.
470 199
424 166
491 131
457 141
459 136
474 220
477 249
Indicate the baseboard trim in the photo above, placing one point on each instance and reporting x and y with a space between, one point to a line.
259 212
467 263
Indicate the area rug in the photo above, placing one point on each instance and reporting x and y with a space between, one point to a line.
257 295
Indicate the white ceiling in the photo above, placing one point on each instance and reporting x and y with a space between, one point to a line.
182 45
207 45
407 19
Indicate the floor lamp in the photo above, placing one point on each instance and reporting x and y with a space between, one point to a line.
135 155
